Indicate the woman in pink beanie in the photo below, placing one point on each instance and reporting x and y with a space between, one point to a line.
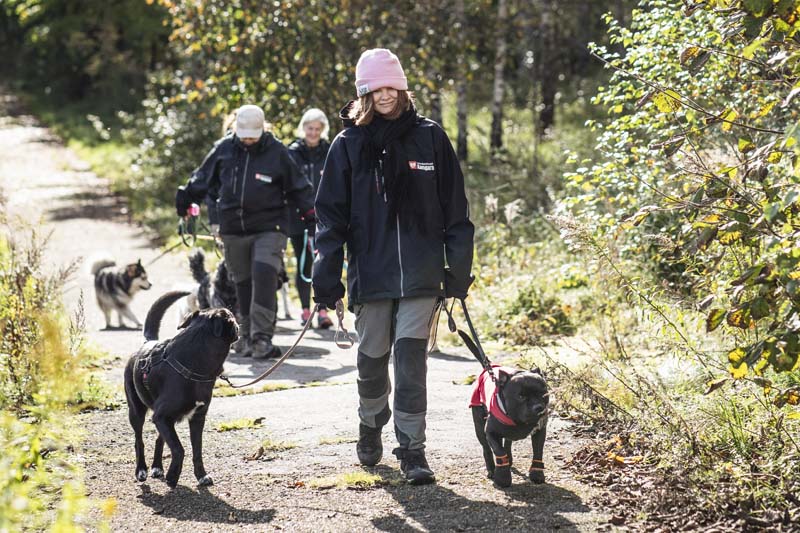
393 191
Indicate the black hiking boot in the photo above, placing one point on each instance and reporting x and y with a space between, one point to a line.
264 349
414 465
369 447
242 347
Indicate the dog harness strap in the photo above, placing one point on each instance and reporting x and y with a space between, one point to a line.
502 460
186 373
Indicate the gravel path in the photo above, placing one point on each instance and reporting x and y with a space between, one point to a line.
296 489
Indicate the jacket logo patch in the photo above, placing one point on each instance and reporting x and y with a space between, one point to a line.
263 177
419 165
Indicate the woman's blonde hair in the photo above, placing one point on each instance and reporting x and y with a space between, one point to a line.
313 115
363 109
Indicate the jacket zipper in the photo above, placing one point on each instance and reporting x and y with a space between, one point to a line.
400 256
244 180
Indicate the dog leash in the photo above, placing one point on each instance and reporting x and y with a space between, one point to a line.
189 228
473 343
308 246
340 330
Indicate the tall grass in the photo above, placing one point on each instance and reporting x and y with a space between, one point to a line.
42 372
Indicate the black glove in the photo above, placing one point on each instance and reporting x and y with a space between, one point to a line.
330 300
182 202
456 288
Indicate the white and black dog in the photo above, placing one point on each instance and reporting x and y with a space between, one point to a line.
115 288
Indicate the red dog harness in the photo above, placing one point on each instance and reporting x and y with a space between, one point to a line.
485 393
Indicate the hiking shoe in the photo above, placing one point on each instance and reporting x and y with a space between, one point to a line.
305 316
323 322
264 349
369 447
414 465
242 347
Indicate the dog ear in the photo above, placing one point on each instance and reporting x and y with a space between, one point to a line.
219 326
536 370
188 319
502 378
139 262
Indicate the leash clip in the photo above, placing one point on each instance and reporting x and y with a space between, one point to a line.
341 330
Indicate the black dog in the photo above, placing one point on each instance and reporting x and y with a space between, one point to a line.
513 409
175 379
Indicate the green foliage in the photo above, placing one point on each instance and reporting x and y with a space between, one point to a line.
79 49
534 315
700 166
42 362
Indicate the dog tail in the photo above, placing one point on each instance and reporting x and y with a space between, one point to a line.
99 263
197 266
153 321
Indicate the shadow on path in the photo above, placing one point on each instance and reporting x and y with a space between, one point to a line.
438 508
185 504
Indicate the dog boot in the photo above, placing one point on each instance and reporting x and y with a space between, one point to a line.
264 349
304 316
369 447
414 465
323 322
242 347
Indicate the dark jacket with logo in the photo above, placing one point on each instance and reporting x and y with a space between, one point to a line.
249 186
387 258
310 161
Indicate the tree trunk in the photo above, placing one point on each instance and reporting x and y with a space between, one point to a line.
496 138
548 73
436 108
461 88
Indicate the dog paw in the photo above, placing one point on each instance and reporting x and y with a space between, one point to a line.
156 472
205 481
502 477
536 476
141 475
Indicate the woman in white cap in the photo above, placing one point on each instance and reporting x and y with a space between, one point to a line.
392 189
308 151
249 174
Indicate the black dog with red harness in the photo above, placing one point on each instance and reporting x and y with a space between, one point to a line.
510 409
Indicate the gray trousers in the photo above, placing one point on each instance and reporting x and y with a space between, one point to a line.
254 262
400 326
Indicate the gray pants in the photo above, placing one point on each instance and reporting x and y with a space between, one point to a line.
404 325
254 262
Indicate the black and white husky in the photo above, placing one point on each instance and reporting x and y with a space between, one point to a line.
114 289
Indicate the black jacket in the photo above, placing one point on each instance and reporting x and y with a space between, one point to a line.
311 162
385 258
249 186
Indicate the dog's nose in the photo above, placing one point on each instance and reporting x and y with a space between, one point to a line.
538 410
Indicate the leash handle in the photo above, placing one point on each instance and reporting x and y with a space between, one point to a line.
307 246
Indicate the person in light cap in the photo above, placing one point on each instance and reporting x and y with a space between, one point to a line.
248 175
392 189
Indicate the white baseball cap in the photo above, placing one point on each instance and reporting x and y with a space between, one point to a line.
249 121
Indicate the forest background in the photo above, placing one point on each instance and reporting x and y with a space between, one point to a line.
632 167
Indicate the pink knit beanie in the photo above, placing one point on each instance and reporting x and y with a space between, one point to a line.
379 68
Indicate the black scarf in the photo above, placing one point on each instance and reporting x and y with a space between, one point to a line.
385 144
